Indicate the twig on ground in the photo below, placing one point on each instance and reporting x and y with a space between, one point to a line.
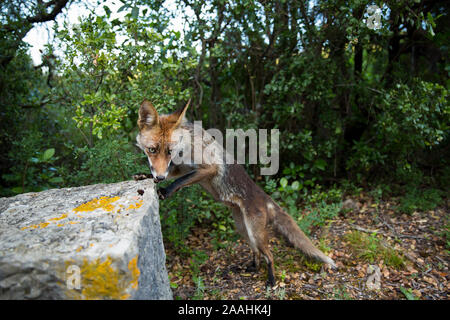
398 235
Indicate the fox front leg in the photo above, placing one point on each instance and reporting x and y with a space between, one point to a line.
188 179
164 193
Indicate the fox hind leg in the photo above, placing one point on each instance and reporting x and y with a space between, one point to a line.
262 242
259 242
242 230
265 251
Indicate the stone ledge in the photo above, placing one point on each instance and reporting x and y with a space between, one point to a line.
108 234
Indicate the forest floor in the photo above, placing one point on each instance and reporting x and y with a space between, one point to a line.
380 254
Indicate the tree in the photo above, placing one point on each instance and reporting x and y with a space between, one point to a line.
18 17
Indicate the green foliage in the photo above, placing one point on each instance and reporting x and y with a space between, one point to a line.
107 161
340 293
372 249
412 118
349 187
34 170
313 266
318 216
446 236
295 186
198 258
190 207
177 218
408 294
416 199
199 288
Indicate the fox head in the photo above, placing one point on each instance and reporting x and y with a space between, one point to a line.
156 137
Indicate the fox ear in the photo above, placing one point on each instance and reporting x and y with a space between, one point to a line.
181 113
148 116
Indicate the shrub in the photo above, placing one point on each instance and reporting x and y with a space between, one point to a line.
420 200
109 160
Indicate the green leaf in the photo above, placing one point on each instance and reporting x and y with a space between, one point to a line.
320 164
135 12
283 182
107 11
17 190
48 154
122 8
11 177
408 294
296 185
56 180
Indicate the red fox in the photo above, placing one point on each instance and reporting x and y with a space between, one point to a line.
253 210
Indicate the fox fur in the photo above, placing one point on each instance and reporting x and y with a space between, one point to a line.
253 210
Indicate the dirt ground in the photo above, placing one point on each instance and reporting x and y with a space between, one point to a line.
418 240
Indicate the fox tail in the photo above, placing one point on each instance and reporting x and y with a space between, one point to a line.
284 224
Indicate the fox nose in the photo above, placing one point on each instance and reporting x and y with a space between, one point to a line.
160 178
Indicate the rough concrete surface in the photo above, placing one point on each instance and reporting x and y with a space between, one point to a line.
94 242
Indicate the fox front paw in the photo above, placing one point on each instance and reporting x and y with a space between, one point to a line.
142 176
162 193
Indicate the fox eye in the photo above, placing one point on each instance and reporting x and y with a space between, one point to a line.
169 152
152 150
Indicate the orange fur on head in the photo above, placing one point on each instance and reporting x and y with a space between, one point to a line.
148 116
155 132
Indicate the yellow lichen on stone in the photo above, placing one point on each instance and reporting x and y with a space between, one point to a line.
135 272
100 203
63 224
63 216
100 280
45 224
104 203
35 226
136 205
